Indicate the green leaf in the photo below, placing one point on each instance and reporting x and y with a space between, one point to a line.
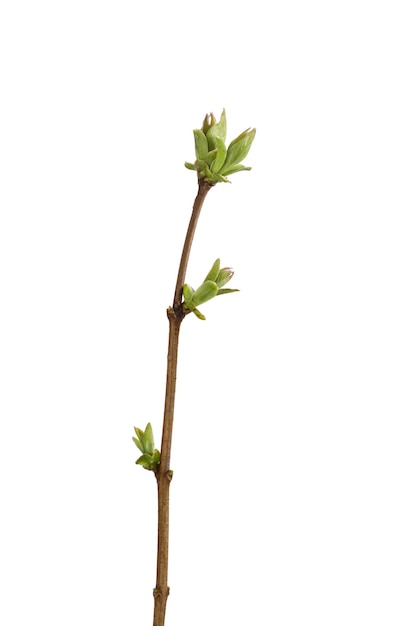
223 291
202 169
198 314
137 443
220 157
218 178
222 126
214 272
233 169
190 166
217 130
239 148
148 442
201 145
211 156
149 461
145 460
205 292
139 434
188 306
208 121
224 276
187 293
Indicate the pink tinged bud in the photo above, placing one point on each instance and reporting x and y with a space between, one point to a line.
224 276
208 122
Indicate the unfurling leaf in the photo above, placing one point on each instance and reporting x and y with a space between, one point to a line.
145 442
238 149
137 443
224 276
187 293
205 292
214 271
144 460
211 156
226 171
148 439
216 130
222 291
208 122
201 145
214 162
198 314
220 156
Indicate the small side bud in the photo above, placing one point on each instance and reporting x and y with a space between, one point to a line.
151 456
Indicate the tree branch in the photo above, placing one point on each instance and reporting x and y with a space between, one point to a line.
164 474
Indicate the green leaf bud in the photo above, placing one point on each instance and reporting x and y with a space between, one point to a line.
148 439
144 440
224 276
220 157
222 291
198 314
213 161
187 293
222 126
217 130
188 306
226 171
137 443
208 122
201 145
219 178
150 461
203 170
205 292
214 272
144 460
211 157
239 148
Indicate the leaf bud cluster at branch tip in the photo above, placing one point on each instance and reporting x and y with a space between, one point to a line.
214 162
150 457
211 287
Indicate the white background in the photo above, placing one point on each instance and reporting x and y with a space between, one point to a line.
294 452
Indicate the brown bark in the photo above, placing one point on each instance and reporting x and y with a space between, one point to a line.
164 473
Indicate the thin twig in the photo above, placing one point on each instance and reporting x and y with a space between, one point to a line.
203 189
164 474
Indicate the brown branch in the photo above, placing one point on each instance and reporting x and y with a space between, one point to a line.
164 474
203 189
